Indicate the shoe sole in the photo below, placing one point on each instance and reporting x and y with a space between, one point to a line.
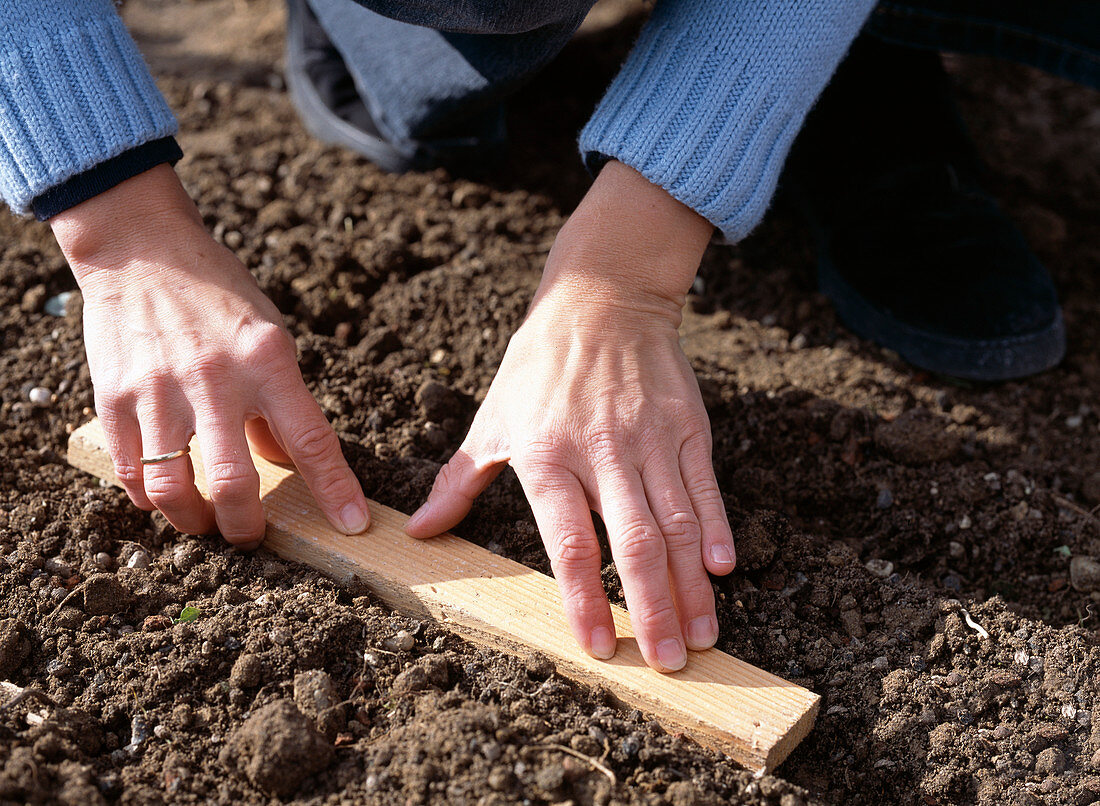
1001 359
320 121
459 154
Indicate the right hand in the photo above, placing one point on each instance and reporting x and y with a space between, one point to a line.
181 341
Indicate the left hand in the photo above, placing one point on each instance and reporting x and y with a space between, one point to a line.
597 409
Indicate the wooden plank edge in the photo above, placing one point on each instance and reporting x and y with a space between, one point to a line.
87 451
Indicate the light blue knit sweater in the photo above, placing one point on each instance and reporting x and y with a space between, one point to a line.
706 106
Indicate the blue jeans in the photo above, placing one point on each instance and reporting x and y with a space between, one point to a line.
425 66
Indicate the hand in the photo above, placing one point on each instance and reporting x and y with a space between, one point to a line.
182 342
597 408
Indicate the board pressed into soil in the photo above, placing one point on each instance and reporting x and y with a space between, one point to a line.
870 503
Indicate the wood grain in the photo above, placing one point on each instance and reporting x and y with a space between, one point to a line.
719 701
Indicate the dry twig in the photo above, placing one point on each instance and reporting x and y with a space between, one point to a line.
596 765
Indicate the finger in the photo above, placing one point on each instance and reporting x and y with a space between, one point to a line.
232 482
301 428
123 436
697 472
457 484
264 443
564 519
639 551
170 485
671 507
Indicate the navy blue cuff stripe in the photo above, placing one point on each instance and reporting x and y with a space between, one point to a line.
105 176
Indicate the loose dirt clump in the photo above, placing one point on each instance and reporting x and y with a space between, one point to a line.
921 553
277 748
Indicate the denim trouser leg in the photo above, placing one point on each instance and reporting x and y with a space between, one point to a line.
420 81
1059 36
424 66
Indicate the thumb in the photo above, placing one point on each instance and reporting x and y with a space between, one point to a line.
457 485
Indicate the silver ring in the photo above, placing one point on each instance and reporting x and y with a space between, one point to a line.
165 457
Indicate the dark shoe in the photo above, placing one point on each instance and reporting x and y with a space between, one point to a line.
915 255
324 93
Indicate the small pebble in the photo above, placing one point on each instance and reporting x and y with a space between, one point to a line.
880 568
139 732
1084 574
139 559
58 567
40 396
403 641
104 560
57 305
885 499
956 549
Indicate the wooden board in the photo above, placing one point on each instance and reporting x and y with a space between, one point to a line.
719 701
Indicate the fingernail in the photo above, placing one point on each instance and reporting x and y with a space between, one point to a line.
671 654
355 519
602 642
702 632
721 554
418 516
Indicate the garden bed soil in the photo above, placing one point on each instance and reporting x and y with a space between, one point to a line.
884 518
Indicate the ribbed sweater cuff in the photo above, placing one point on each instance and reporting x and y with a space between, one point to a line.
105 176
74 93
712 96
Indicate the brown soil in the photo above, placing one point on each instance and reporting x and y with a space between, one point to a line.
874 506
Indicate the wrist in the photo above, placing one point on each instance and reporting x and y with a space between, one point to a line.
111 235
628 244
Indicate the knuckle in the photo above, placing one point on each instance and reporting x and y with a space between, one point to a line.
681 530
605 440
232 482
109 402
448 478
697 442
656 618
128 474
269 347
315 442
546 453
638 543
205 366
166 492
574 551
